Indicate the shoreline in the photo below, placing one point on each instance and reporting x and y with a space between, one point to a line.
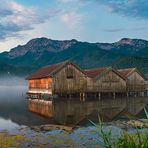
62 136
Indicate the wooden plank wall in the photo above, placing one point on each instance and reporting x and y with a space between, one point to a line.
109 82
63 84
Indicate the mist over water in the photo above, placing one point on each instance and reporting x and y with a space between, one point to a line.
13 104
12 81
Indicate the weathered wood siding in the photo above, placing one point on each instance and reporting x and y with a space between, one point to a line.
109 82
136 82
40 85
69 80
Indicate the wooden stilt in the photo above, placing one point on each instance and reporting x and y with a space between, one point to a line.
95 95
80 96
83 96
142 94
69 96
99 95
135 95
127 95
114 95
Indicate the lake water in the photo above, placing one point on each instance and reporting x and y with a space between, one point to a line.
14 109
14 114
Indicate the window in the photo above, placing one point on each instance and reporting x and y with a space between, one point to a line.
70 73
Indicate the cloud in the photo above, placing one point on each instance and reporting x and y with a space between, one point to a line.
15 17
113 30
124 29
130 8
71 19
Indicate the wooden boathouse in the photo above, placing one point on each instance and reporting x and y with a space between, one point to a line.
135 80
64 78
64 89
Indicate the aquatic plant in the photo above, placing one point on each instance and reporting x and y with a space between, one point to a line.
136 139
105 135
146 113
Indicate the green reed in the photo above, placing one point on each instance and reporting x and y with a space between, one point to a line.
126 140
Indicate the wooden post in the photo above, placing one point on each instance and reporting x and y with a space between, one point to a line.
69 96
66 96
142 94
96 96
127 95
80 96
135 95
83 96
114 95
99 95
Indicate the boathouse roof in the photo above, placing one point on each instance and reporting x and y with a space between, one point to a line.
50 70
93 73
128 71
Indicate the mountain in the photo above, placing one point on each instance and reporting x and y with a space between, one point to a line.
39 45
127 46
132 47
39 52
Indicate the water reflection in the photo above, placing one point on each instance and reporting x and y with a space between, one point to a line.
14 109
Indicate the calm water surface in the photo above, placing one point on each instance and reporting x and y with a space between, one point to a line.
14 110
14 114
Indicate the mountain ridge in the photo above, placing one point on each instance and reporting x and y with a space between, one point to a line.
42 51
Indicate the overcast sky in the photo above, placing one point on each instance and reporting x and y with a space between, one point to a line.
85 20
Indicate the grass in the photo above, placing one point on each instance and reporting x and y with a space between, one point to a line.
126 140
146 113
105 135
134 140
61 139
138 140
8 141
